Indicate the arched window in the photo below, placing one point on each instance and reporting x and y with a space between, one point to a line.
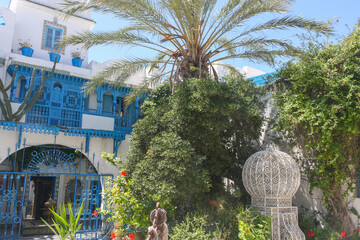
107 107
57 85
56 95
86 102
22 89
120 106
91 102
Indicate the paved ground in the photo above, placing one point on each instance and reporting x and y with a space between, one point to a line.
41 237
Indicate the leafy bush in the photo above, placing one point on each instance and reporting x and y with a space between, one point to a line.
253 226
317 99
124 206
194 227
189 141
313 228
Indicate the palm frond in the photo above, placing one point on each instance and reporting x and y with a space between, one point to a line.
147 85
258 55
117 73
117 38
190 35
231 68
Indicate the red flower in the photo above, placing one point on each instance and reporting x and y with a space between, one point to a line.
131 236
211 202
310 234
148 154
95 213
123 173
359 229
113 235
343 234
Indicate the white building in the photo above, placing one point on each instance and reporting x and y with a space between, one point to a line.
55 149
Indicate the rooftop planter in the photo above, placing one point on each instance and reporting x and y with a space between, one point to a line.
76 59
26 49
54 56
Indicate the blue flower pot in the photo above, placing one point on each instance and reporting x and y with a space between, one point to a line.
26 51
77 62
53 56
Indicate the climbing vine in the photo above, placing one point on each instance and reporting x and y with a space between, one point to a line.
318 104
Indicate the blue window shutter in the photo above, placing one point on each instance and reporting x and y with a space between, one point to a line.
107 104
52 37
49 37
57 37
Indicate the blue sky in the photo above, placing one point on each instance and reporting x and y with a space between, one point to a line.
347 13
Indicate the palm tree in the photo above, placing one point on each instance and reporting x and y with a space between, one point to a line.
189 37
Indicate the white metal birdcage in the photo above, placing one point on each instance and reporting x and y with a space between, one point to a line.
272 178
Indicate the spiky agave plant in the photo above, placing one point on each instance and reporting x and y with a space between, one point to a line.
64 226
189 37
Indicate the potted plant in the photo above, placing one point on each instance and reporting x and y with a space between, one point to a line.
25 48
76 59
54 54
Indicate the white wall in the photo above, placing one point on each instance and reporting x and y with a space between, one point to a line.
9 139
97 122
246 71
6 32
93 100
30 23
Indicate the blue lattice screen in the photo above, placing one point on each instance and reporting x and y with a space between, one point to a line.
59 105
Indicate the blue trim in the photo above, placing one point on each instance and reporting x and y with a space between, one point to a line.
262 79
20 135
87 144
50 130
116 146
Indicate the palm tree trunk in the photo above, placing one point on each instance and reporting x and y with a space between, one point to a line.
194 69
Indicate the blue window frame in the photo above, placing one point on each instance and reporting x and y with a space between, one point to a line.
52 37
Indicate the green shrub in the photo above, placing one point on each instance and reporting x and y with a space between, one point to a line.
252 225
194 227
313 229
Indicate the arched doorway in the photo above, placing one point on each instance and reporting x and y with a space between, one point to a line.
36 174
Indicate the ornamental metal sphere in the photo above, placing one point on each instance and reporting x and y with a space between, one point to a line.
271 174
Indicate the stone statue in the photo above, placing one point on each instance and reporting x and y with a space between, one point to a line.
159 228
